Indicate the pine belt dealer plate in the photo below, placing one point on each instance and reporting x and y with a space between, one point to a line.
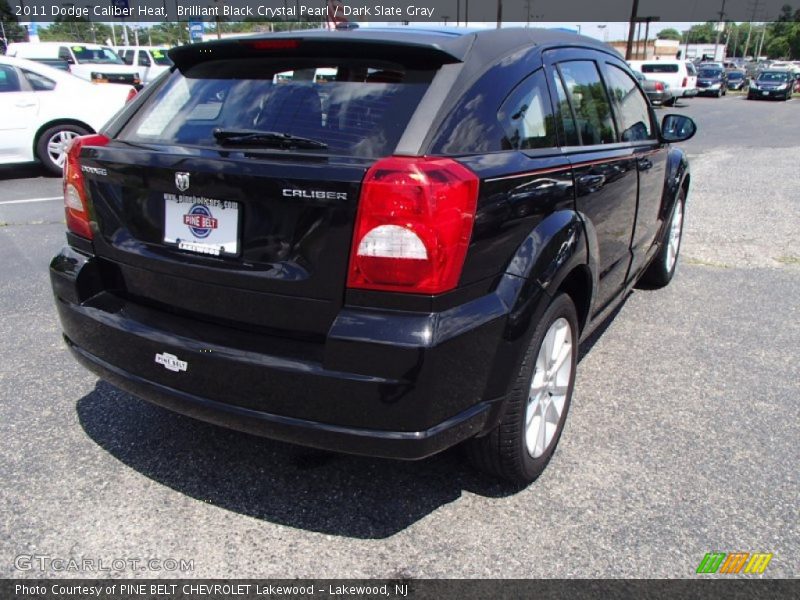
202 225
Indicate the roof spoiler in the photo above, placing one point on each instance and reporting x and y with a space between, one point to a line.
408 52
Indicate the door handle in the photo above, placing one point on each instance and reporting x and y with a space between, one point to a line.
25 104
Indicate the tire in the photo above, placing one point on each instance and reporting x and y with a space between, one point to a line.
662 269
670 102
51 145
512 450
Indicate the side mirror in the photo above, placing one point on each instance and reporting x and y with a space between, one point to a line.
677 128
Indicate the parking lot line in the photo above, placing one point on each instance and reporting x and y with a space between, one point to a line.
30 200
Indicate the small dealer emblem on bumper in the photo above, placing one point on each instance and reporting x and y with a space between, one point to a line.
171 362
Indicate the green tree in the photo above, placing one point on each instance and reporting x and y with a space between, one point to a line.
701 34
778 47
170 33
75 29
669 34
14 32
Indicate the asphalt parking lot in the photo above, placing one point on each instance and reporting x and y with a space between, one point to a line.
682 437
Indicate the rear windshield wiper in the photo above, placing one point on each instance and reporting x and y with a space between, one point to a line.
266 138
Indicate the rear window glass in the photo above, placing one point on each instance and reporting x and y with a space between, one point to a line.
160 58
99 56
355 107
656 68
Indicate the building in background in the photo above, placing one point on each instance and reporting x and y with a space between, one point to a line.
671 49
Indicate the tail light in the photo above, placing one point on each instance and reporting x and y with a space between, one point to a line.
685 82
131 95
413 227
76 205
659 86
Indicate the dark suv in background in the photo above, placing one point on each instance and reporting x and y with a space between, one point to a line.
383 242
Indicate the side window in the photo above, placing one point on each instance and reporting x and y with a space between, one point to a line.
631 107
589 102
525 116
64 54
127 57
9 80
144 59
39 83
567 121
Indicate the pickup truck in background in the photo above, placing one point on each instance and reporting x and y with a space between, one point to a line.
92 62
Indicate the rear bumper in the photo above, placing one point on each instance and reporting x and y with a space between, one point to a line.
377 385
658 98
690 93
409 445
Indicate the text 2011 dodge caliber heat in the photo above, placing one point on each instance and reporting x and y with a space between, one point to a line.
378 241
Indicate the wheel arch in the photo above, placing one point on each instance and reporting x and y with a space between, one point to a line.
553 258
55 122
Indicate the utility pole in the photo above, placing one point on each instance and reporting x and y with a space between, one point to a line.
500 13
638 37
761 41
720 28
631 29
747 41
756 7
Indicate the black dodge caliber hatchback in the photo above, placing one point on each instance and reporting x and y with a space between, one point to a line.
383 242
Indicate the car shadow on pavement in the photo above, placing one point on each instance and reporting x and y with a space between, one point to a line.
23 172
285 484
315 490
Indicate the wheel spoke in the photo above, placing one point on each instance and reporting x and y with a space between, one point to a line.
564 354
549 348
541 435
534 404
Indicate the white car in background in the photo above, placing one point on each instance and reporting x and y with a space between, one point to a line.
42 109
149 61
670 71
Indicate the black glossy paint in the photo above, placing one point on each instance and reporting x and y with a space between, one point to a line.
274 342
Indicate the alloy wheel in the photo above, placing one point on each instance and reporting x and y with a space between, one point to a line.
57 146
549 388
674 239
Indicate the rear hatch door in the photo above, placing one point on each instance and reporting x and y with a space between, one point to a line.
231 194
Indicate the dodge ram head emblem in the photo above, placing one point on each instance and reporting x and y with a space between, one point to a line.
182 181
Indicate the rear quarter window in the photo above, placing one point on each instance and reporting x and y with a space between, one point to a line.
526 116
657 68
39 83
358 108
